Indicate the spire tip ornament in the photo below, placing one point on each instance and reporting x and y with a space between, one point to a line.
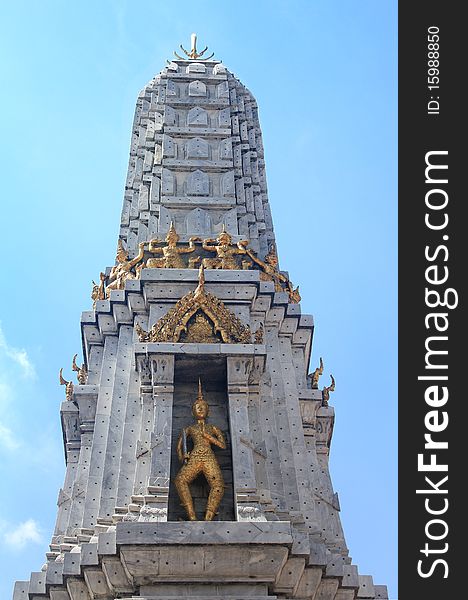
193 54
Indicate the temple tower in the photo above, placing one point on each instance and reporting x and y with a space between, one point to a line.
161 499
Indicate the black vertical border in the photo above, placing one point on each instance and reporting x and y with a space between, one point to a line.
419 133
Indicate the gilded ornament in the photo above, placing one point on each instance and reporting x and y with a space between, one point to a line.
258 335
326 392
143 336
226 252
176 321
200 460
193 54
200 330
81 372
123 269
270 272
171 258
68 386
98 292
315 376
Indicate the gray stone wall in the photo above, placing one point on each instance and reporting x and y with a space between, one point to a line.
196 158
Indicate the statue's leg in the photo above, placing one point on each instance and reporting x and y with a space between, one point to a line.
215 480
182 481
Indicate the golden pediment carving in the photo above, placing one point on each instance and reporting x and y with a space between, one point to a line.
192 317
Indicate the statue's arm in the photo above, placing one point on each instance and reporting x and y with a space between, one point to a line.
140 255
191 246
207 246
180 453
217 439
255 258
153 248
241 247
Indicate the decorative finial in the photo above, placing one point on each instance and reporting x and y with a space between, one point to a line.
315 376
200 392
193 54
326 391
81 372
122 254
201 281
68 386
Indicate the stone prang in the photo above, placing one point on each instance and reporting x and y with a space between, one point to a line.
196 295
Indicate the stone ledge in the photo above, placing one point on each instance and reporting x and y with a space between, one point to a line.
192 275
210 533
199 349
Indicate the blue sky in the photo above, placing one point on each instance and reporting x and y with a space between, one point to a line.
324 75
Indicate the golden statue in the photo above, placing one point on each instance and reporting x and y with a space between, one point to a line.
68 386
315 376
200 459
182 317
270 272
326 392
81 372
98 292
123 269
225 251
171 258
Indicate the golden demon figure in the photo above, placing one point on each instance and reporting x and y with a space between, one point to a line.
200 459
171 258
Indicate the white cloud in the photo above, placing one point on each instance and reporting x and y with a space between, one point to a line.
19 356
6 393
24 533
7 438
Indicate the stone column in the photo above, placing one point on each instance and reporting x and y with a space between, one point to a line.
72 438
143 444
162 371
246 496
154 447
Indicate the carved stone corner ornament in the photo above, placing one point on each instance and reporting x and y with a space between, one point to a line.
198 317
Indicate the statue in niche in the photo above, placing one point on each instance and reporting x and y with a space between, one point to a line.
201 459
123 269
226 252
171 258
270 272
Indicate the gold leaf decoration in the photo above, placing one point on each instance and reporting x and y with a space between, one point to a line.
176 321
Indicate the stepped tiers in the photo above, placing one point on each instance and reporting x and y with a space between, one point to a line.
160 498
